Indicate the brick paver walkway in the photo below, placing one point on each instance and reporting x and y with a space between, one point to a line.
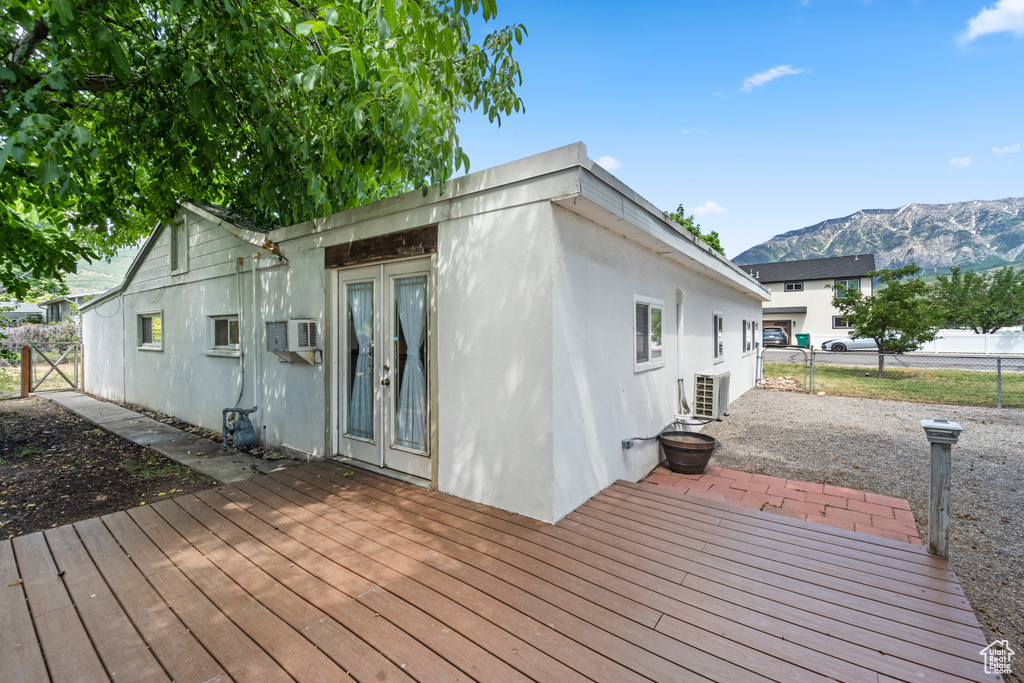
868 513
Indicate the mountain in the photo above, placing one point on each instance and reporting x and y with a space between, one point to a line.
976 235
100 275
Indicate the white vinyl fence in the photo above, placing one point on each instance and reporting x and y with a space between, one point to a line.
957 341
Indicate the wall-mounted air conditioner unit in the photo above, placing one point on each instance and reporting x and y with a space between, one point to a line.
294 340
711 396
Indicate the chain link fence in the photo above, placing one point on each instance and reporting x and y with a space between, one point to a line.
977 380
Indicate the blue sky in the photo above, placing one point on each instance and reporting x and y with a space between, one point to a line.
763 117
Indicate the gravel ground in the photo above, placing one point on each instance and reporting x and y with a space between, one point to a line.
879 446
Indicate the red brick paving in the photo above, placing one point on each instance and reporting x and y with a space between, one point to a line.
837 506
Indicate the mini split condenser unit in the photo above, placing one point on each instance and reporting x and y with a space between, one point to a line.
711 396
294 340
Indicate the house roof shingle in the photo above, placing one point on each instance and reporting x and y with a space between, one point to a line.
812 269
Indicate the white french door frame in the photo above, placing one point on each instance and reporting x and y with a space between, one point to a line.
381 453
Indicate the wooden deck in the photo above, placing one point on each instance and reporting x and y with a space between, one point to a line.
319 572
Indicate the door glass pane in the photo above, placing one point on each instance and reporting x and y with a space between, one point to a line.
359 359
410 324
642 352
655 332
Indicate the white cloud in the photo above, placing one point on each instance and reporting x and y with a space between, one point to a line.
1009 149
1006 16
609 163
770 75
960 162
709 207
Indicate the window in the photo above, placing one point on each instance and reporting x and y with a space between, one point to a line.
850 285
647 324
839 322
151 331
223 334
178 243
718 329
748 336
794 286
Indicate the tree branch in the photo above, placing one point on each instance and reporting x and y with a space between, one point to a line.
23 51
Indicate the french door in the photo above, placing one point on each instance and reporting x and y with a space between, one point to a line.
384 397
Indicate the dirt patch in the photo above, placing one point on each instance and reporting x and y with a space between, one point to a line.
56 468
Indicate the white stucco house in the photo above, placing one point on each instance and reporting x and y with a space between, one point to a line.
497 340
801 293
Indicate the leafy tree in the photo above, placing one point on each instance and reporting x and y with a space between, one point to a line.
281 110
711 238
899 317
983 302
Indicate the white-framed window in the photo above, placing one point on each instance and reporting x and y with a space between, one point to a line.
794 286
648 327
850 285
150 330
757 335
840 323
748 336
178 243
223 334
718 335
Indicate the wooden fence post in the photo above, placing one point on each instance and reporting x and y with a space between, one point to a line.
938 501
26 371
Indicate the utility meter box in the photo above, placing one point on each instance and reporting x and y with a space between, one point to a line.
294 339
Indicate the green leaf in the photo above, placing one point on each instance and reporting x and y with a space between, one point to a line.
64 11
122 69
80 135
191 74
48 171
309 27
312 77
195 98
7 75
331 16
5 152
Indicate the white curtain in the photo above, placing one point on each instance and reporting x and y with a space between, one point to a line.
360 405
412 402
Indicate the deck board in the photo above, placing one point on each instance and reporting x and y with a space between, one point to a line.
19 647
320 573
121 649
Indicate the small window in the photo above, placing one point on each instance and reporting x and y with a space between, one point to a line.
849 285
225 332
178 243
748 336
718 329
647 325
151 331
794 286
839 322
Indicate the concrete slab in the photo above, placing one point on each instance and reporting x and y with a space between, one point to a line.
203 456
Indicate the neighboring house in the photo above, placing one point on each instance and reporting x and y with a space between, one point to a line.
64 307
802 292
497 341
16 311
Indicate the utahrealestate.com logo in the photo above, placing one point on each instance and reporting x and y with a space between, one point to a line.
998 656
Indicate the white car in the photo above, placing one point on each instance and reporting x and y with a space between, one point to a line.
850 344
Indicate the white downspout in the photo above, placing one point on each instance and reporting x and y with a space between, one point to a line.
239 266
256 386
